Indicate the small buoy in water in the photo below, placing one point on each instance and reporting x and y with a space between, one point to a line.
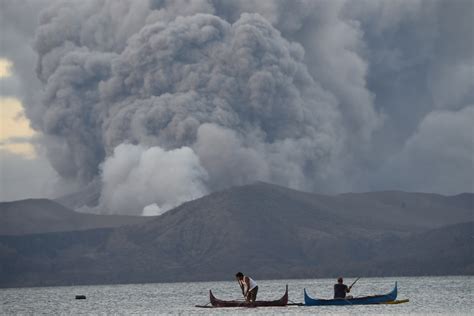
80 297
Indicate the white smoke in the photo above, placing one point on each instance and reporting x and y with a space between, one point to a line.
152 210
136 178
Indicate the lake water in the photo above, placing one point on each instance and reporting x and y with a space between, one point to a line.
428 296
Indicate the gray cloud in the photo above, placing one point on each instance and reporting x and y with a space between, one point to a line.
439 157
317 95
18 20
23 178
17 140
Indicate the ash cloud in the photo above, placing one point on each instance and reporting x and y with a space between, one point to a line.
237 95
325 96
431 168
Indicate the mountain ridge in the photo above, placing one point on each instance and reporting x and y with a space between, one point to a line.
31 216
268 230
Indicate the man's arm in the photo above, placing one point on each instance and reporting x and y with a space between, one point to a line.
242 288
247 285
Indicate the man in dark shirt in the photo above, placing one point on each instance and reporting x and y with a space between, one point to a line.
340 289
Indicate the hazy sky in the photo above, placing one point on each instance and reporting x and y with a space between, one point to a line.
158 102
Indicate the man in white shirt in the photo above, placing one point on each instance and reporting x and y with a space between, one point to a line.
248 285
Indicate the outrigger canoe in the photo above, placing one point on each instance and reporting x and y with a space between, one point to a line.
365 300
283 301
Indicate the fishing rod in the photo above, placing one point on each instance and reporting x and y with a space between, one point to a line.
350 287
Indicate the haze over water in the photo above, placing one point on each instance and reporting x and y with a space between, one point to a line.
428 295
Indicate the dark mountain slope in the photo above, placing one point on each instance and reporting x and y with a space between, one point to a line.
269 231
42 216
420 210
445 250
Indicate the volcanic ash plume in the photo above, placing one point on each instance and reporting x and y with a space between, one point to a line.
324 96
186 107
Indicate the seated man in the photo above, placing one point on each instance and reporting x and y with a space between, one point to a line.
340 289
248 285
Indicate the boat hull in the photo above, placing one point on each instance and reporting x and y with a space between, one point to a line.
283 301
366 300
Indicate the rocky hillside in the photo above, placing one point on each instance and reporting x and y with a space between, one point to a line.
269 231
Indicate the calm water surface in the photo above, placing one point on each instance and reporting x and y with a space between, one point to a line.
428 296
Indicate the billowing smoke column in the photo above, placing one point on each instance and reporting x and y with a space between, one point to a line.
165 101
186 106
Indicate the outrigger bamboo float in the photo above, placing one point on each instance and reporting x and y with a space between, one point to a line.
215 302
389 298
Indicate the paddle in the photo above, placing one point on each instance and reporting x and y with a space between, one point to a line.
350 287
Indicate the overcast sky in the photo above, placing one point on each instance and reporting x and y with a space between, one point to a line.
159 102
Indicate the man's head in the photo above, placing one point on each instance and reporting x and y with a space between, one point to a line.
340 280
239 275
